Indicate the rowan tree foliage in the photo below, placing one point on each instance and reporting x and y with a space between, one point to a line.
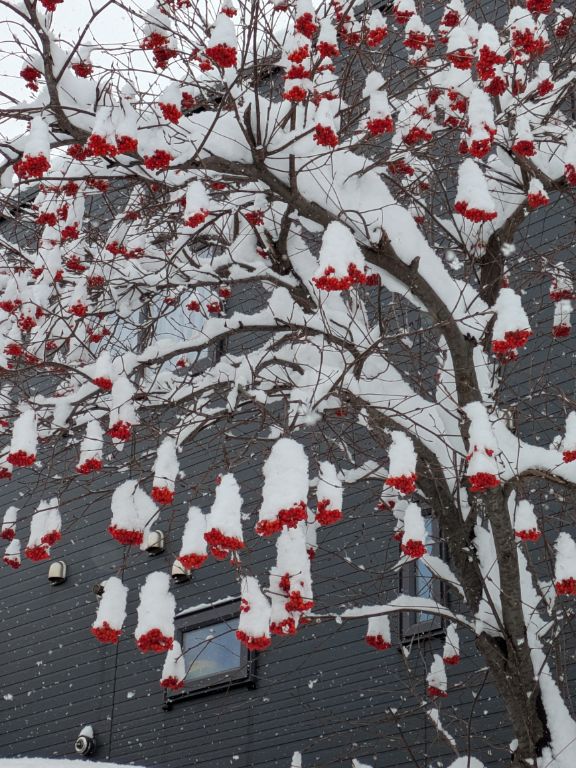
343 182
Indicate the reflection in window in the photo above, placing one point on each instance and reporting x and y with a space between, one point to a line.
212 650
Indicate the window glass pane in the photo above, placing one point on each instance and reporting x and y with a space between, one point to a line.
212 650
423 578
423 587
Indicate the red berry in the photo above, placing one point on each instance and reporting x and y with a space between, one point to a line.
155 640
99 146
413 548
378 642
482 481
50 5
376 126
121 430
325 515
83 69
38 552
253 643
31 167
223 55
162 494
375 36
192 561
127 144
325 136
125 536
31 75
105 633
88 466
170 112
306 25
159 161
566 586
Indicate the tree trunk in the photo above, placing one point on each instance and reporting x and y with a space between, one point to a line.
520 693
509 656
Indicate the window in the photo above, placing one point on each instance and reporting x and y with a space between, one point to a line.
211 650
215 659
418 579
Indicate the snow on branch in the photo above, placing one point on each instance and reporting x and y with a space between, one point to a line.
407 603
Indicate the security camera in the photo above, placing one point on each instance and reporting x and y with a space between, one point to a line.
85 743
57 572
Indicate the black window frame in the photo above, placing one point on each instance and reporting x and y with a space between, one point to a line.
245 675
411 627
